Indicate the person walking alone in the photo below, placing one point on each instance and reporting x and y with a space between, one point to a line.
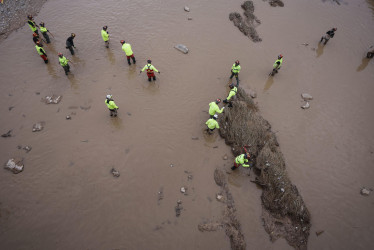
235 69
41 52
277 65
150 71
329 34
64 62
111 105
70 43
105 36
128 51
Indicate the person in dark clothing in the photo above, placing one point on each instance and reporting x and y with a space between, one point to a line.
44 31
35 38
329 34
70 43
33 26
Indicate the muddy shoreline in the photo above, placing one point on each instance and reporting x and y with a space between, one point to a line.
14 14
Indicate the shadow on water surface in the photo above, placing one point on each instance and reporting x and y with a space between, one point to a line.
364 63
319 50
269 83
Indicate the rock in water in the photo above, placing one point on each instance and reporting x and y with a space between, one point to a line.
178 208
181 48
38 127
14 165
365 191
7 134
115 172
252 94
53 99
186 9
306 97
306 105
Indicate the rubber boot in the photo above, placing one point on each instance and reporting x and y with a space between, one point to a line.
128 61
133 60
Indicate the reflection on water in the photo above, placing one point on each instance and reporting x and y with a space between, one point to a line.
51 70
151 87
319 50
116 122
111 57
364 63
73 81
269 83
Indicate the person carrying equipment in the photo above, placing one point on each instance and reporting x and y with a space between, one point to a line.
232 93
105 36
277 65
64 62
235 69
329 34
70 43
41 52
111 105
33 26
241 160
44 31
150 71
213 108
128 51
212 124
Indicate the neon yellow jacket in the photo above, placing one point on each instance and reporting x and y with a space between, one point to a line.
127 48
43 29
232 92
105 36
212 124
276 66
213 108
63 61
150 67
241 160
111 105
32 25
235 69
40 50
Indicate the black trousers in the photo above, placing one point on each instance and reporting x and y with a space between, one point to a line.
236 76
67 69
46 37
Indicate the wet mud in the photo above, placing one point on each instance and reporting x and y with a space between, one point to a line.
284 211
247 24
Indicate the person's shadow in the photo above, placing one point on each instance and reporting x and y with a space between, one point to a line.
319 50
364 63
269 83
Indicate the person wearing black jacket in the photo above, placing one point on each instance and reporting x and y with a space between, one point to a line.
70 43
329 34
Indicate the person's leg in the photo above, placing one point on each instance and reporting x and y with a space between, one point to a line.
46 37
133 58
66 69
235 166
111 112
154 77
107 44
237 80
232 75
68 66
115 112
71 50
128 60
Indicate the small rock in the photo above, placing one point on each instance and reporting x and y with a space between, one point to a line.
37 93
53 99
189 18
7 134
364 191
14 165
27 148
128 113
183 190
181 48
190 177
219 197
318 233
215 147
38 127
282 189
252 94
225 157
305 44
306 105
10 108
171 165
195 138
160 195
68 117
186 9
306 97
115 172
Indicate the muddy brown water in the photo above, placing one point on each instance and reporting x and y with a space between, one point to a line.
66 197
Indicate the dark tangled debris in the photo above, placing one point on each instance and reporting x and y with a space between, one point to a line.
229 223
247 25
284 211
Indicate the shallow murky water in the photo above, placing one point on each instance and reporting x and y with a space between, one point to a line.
67 199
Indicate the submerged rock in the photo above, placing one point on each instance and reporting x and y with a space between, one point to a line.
307 97
115 172
14 165
7 134
53 99
178 208
186 9
252 93
182 48
38 127
306 105
364 191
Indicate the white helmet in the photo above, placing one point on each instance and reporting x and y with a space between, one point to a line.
215 116
108 96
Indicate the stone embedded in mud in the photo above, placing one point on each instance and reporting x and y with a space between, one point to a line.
182 48
225 157
38 126
275 3
186 9
68 117
27 148
364 191
306 97
14 165
115 172
53 99
306 105
183 190
178 208
252 93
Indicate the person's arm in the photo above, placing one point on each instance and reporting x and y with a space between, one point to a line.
153 67
143 68
217 125
231 94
